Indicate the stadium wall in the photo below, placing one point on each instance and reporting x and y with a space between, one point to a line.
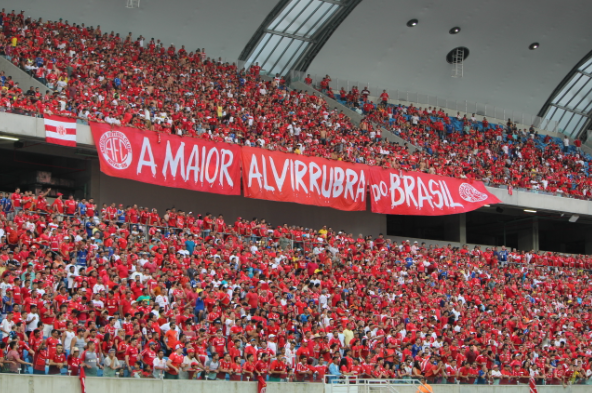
124 191
58 384
22 78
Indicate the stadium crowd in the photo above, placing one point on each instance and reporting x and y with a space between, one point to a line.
99 76
131 292
492 153
124 291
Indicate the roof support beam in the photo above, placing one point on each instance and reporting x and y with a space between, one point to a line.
555 95
570 110
296 37
321 31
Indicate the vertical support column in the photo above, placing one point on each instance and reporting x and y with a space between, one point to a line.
535 233
95 182
462 228
528 239
588 242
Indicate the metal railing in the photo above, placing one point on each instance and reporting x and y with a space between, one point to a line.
469 107
166 230
355 384
306 243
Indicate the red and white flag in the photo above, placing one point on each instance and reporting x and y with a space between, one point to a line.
60 130
82 376
532 384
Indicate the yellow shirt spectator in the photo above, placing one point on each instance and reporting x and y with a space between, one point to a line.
348 335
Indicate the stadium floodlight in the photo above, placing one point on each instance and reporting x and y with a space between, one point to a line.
574 218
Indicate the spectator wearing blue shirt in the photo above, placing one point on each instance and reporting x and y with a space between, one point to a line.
305 317
190 244
89 227
82 208
334 371
416 348
449 129
409 262
5 203
199 308
120 214
81 254
482 376
503 256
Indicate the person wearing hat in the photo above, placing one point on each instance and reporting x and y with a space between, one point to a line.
13 264
149 353
173 365
191 366
74 361
58 206
495 375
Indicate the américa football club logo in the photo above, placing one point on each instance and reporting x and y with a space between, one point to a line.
471 194
116 149
61 130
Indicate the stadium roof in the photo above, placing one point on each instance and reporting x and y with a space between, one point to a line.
374 45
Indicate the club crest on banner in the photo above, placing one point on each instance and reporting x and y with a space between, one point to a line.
470 193
116 149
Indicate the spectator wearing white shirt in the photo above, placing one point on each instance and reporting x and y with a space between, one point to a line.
496 374
163 301
7 325
4 285
32 319
98 287
159 365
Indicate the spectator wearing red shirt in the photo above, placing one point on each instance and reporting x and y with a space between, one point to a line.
174 364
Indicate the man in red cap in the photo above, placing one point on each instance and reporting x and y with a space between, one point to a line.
174 363
58 206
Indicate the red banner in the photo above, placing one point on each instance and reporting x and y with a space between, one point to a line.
168 160
316 181
420 194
